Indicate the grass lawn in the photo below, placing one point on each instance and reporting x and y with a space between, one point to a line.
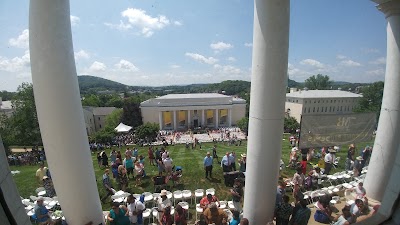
191 161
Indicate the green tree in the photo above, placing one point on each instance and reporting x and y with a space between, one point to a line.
131 112
22 128
91 100
319 82
290 124
243 124
104 135
114 118
371 100
147 131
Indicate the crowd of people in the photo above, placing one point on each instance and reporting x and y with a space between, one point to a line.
27 157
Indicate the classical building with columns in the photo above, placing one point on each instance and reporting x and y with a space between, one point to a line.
183 111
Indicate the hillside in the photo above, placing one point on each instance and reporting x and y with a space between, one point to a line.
93 84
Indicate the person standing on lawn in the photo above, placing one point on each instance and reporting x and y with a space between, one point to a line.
208 161
40 173
329 160
237 194
107 185
214 151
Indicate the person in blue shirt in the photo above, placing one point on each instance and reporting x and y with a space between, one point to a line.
235 218
208 162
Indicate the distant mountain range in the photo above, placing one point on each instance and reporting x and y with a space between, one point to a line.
93 84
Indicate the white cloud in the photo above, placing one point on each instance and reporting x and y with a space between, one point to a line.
376 72
125 65
201 58
312 62
178 23
228 69
22 41
341 57
81 54
146 23
248 44
349 63
121 26
232 59
174 66
15 64
97 67
220 46
74 20
379 61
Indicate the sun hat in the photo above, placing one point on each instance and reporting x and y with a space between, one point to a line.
336 147
295 149
45 177
332 150
359 158
243 155
163 193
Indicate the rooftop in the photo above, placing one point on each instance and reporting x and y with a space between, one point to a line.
5 105
323 94
193 95
100 111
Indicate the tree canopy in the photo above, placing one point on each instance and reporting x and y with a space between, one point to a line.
147 131
319 82
372 98
22 128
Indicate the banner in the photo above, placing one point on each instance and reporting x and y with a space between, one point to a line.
330 130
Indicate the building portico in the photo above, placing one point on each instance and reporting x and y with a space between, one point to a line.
184 111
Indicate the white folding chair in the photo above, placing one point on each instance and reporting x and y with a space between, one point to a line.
198 209
210 191
222 204
231 205
199 193
187 194
177 196
146 214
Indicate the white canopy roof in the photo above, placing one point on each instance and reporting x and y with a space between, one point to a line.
123 128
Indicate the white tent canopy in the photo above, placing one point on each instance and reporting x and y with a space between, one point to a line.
123 128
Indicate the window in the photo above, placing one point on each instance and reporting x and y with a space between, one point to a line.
223 116
318 101
305 102
341 108
333 108
308 110
330 108
182 118
334 101
315 101
326 109
297 101
313 109
305 109
331 101
98 118
195 112
100 125
318 109
90 120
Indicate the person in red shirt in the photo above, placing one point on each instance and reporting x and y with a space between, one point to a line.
205 201
303 165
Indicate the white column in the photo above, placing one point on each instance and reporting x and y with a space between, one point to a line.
203 122
175 126
216 118
160 119
229 117
189 119
60 113
387 138
269 75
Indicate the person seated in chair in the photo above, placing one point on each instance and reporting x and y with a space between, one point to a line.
207 200
42 213
325 212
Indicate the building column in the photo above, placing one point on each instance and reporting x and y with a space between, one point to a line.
229 117
269 75
59 110
174 121
203 122
216 118
189 119
387 138
160 119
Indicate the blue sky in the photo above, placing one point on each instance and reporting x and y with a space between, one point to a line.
167 42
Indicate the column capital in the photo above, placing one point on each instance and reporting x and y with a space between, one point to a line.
388 7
